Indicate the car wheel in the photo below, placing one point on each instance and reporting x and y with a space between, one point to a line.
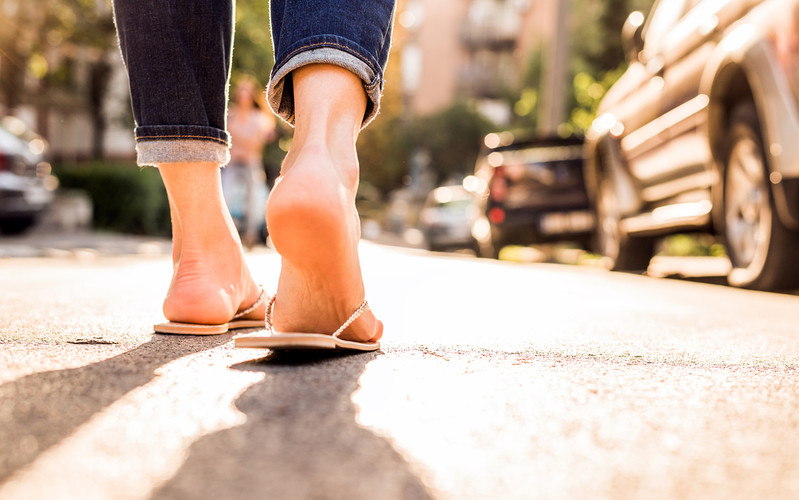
488 248
474 246
760 248
624 253
17 225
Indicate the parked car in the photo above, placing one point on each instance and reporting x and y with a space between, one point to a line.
531 191
700 134
447 217
26 185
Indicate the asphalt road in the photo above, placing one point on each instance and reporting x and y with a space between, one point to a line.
496 380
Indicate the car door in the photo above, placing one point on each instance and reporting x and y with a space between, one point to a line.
684 172
645 145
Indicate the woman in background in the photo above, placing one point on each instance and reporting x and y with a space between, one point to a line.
251 127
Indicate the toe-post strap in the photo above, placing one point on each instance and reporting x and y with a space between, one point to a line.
363 307
252 307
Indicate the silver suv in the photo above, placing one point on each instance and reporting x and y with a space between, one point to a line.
702 133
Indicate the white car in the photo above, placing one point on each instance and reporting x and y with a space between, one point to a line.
447 218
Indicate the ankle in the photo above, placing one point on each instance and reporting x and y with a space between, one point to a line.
325 157
330 103
200 216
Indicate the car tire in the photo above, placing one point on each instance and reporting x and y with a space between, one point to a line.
761 249
17 225
475 247
488 248
624 253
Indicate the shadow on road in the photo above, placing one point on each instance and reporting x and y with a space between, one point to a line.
39 410
707 270
300 440
716 280
709 280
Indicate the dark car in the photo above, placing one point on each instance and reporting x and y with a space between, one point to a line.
26 186
531 191
701 134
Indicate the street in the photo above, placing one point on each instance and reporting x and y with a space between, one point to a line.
495 380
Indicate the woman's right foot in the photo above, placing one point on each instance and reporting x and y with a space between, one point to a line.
315 228
311 212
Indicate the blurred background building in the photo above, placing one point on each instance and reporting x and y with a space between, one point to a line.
473 49
61 74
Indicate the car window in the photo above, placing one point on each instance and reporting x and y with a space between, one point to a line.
456 206
666 13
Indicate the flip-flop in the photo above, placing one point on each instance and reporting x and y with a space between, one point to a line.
280 341
200 329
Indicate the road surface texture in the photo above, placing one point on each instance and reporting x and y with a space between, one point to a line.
496 380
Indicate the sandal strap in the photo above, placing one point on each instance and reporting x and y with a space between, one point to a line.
252 307
268 318
363 307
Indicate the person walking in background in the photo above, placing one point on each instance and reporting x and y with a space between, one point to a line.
327 82
251 127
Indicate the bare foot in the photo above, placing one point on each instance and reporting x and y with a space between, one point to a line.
210 280
314 226
311 212
209 286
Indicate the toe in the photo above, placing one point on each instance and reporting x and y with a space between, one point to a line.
378 331
366 330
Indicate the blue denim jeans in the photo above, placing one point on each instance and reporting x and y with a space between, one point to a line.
178 53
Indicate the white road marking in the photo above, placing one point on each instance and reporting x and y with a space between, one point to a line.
140 441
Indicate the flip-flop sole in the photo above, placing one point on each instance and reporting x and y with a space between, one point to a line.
198 329
300 341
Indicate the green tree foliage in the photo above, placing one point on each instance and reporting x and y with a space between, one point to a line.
252 54
525 103
588 91
452 138
125 198
383 146
598 47
596 62
597 54
383 151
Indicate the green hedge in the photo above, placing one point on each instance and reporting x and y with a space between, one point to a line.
125 198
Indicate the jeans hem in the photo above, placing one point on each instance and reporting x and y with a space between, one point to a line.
280 92
156 152
157 144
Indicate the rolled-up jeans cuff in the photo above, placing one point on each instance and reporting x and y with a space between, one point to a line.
181 144
281 95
